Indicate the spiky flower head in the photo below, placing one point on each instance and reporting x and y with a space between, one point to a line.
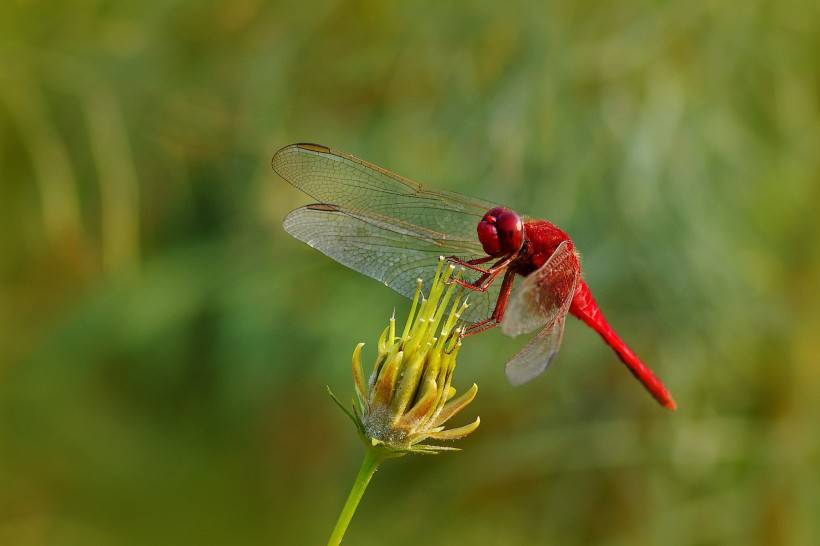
409 395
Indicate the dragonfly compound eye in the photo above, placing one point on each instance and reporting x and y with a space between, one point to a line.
510 230
488 235
501 232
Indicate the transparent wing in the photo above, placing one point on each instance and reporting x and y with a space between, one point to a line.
371 245
370 192
543 294
542 300
533 359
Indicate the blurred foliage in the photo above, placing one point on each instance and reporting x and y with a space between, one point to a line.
165 346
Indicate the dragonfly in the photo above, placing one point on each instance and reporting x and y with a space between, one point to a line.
395 230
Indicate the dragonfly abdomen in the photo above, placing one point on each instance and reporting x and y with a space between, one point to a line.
586 309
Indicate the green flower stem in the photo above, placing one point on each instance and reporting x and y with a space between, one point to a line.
372 459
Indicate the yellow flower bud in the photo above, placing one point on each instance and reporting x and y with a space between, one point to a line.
409 395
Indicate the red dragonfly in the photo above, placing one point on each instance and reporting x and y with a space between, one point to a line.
395 230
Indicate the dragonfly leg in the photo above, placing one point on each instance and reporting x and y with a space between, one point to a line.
498 312
470 264
488 277
482 284
479 327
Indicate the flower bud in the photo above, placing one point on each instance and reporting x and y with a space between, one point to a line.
409 395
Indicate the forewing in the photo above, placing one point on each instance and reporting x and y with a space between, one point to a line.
544 294
372 245
382 197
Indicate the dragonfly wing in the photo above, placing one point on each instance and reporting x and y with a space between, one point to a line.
359 187
542 300
375 246
544 294
533 359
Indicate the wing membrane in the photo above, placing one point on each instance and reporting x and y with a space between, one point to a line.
379 223
533 359
542 300
543 294
356 186
369 245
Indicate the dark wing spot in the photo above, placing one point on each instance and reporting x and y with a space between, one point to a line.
324 207
314 147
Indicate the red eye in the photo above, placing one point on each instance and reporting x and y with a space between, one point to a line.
510 231
501 232
496 212
488 236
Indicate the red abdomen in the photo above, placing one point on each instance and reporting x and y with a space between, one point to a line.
584 307
542 238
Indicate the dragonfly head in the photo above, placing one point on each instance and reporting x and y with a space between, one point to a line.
501 232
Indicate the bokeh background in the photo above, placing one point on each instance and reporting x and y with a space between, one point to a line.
165 346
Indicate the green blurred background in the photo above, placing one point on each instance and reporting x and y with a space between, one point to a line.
165 346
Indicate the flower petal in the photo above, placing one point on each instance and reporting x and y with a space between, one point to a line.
408 383
420 409
454 406
456 433
383 389
358 377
